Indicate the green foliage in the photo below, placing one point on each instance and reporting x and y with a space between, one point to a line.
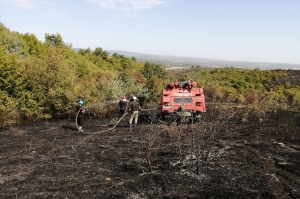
33 46
8 109
155 85
100 52
11 42
45 80
293 95
152 69
227 94
54 40
11 80
231 84
84 52
156 77
133 59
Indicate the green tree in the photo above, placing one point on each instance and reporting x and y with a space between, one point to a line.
12 81
54 40
11 42
33 45
152 69
101 53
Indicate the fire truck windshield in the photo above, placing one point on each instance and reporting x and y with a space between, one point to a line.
183 100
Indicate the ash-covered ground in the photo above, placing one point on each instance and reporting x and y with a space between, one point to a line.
216 158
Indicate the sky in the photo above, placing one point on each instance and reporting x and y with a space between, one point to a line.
231 30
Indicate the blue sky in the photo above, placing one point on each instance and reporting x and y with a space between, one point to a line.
233 30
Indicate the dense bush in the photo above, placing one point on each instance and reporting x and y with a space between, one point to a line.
44 80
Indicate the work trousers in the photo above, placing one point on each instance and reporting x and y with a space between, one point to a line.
135 115
122 112
80 120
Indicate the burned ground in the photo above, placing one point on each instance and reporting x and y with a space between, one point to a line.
255 159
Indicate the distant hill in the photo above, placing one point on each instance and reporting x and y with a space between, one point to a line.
176 61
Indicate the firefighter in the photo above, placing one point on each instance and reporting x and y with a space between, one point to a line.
123 105
134 108
132 96
80 111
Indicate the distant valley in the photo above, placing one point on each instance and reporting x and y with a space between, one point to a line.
176 61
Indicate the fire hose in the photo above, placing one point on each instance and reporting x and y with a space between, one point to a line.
109 129
115 124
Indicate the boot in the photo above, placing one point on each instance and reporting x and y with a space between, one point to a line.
80 129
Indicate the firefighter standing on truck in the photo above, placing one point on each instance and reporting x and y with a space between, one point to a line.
134 108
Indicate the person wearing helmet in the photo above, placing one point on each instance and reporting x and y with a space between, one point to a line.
134 108
80 111
123 105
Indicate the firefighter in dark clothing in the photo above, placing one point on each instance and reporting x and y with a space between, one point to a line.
132 96
134 108
123 105
80 111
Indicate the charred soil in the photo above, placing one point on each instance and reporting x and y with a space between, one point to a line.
255 159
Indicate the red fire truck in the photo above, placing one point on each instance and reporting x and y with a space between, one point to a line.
182 101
